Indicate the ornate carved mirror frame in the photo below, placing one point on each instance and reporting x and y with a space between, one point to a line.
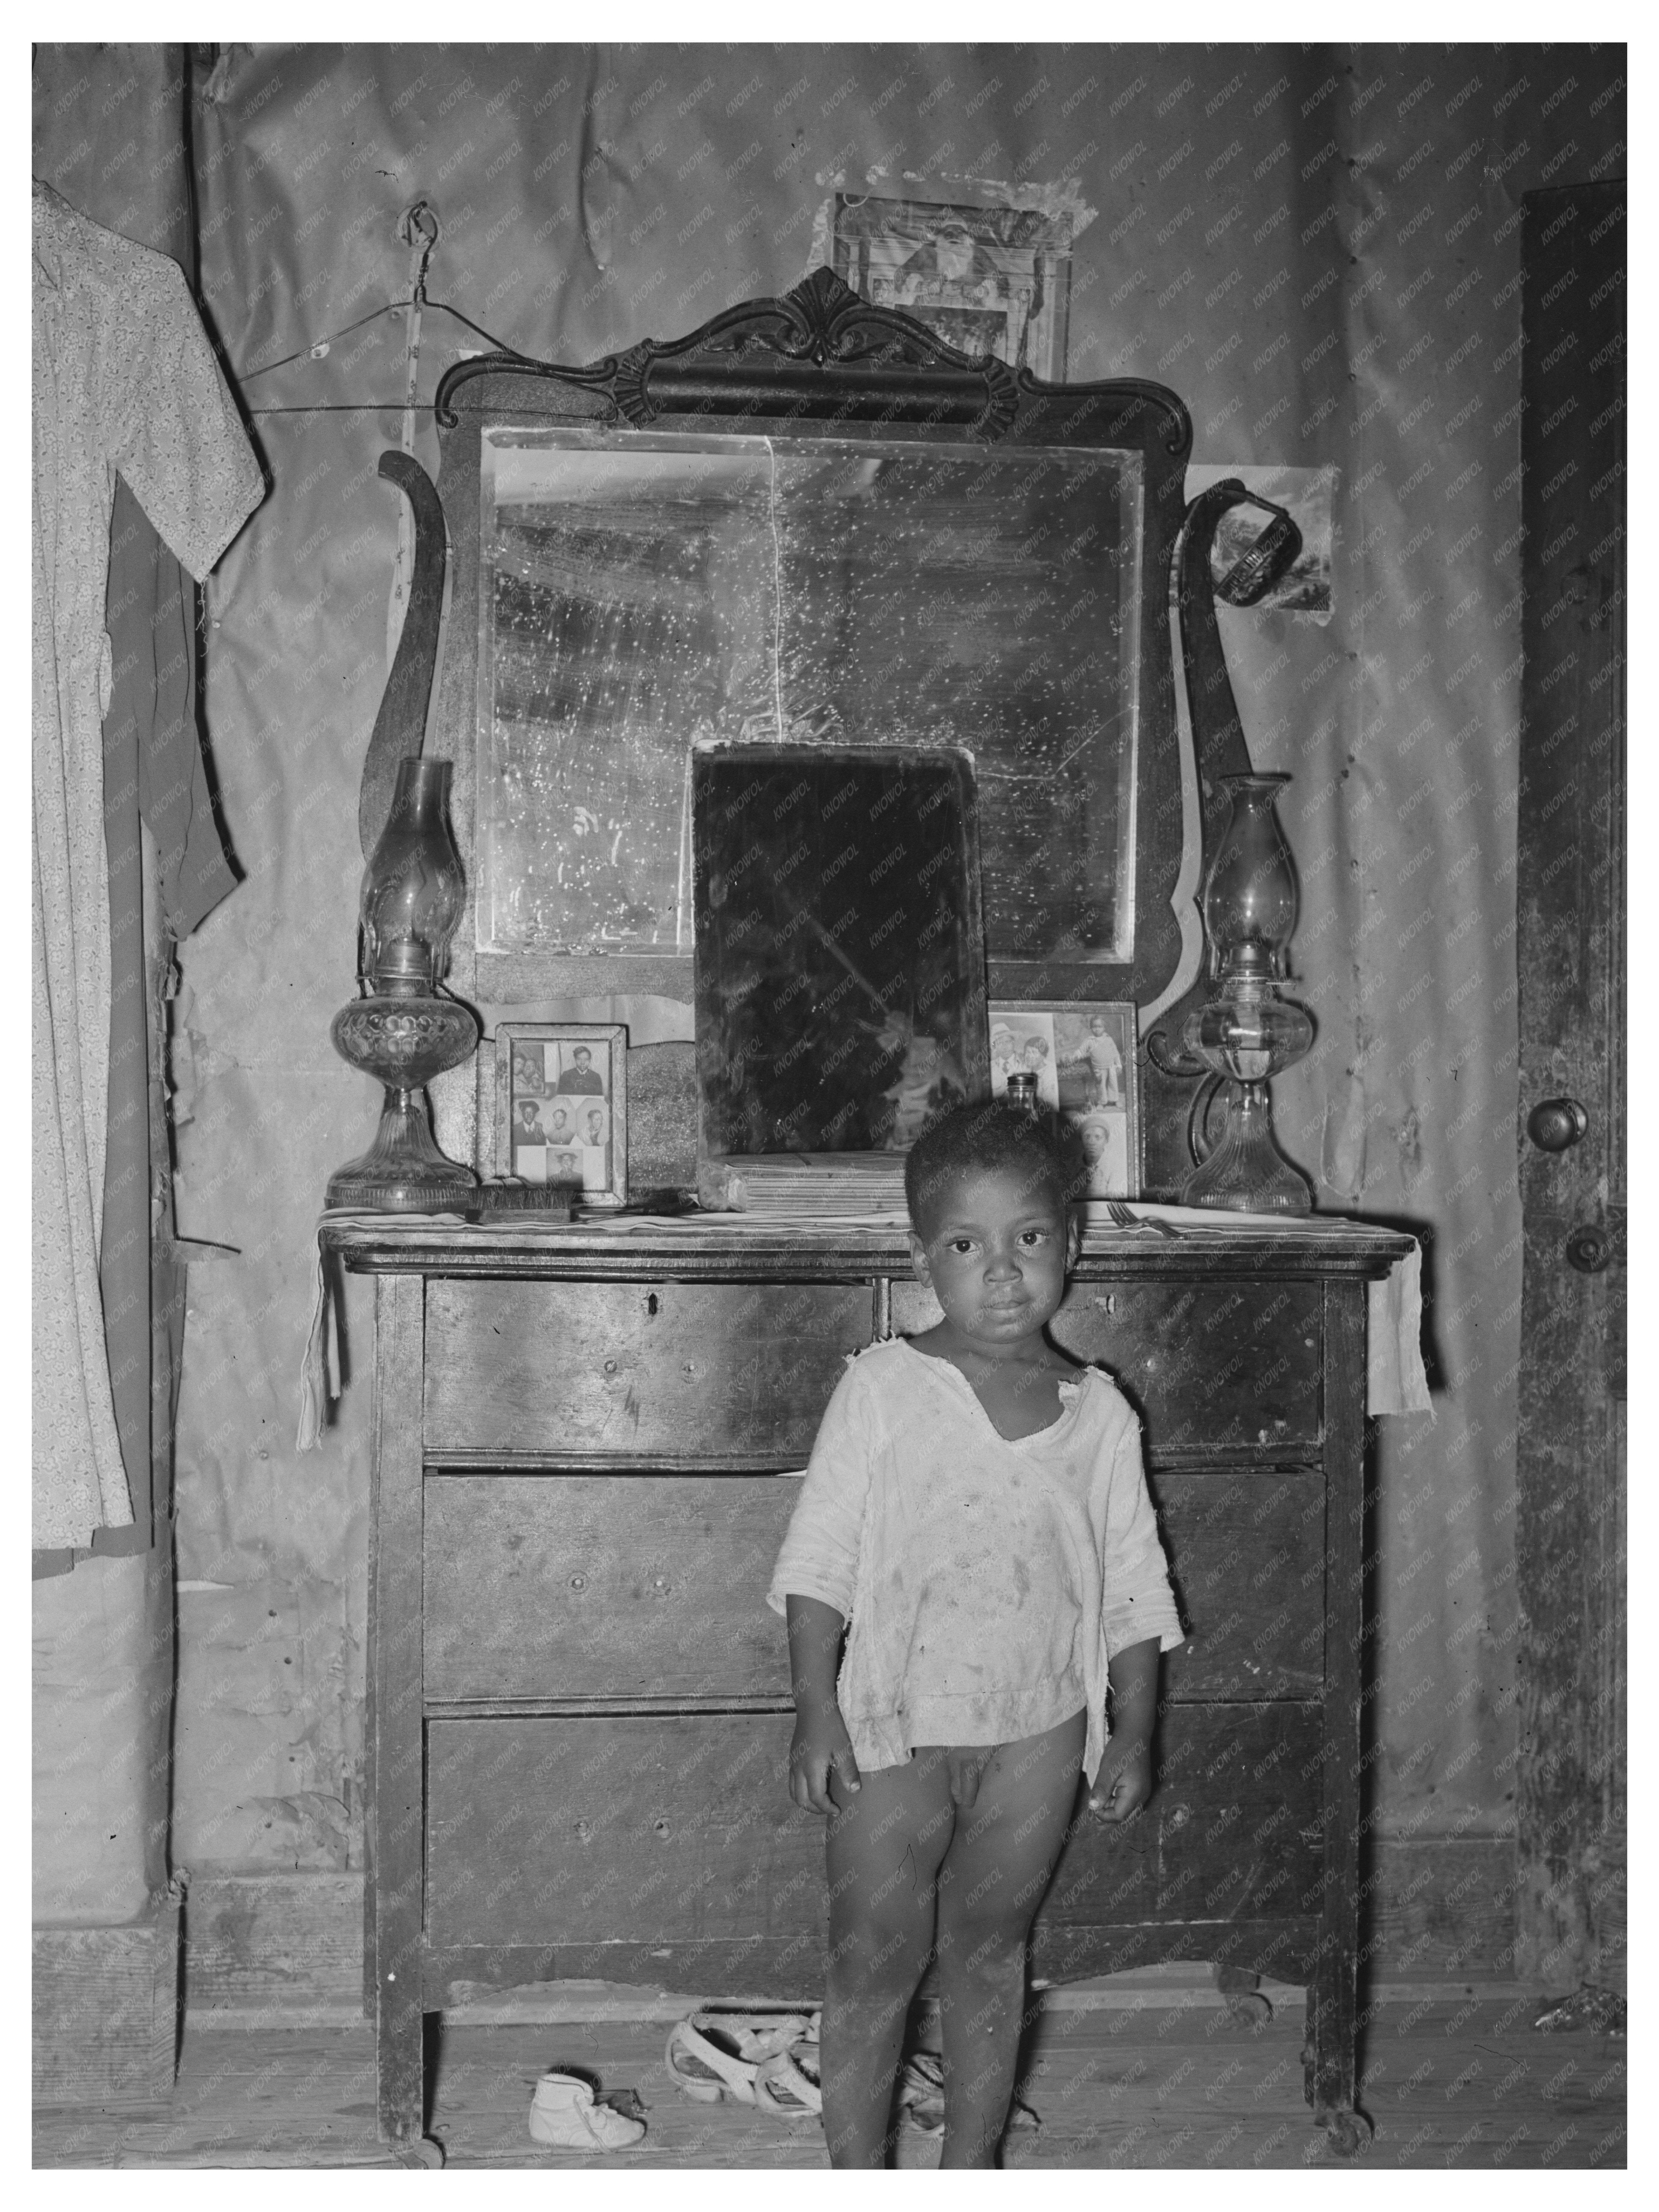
822 363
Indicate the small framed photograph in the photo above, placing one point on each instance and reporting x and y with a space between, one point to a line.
1082 1053
562 1107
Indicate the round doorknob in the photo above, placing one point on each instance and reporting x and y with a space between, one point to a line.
1589 1249
1554 1124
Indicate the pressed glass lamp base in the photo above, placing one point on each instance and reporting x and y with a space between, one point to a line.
403 1171
1245 1172
404 1039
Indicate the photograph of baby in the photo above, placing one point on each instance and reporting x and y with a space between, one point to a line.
1083 1057
562 1123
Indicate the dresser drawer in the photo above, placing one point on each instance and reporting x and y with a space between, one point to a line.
713 1375
636 1829
1231 1832
644 1586
1246 1549
1229 1366
1226 1366
617 1586
1241 1790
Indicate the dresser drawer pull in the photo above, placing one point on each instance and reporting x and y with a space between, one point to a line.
660 1582
610 1366
579 1582
659 1827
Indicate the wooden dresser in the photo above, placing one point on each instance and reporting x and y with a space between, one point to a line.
579 1701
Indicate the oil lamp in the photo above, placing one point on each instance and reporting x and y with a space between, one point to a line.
402 1031
1247 1030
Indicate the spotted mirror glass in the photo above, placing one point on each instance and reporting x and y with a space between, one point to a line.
641 592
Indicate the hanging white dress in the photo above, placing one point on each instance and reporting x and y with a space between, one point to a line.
124 379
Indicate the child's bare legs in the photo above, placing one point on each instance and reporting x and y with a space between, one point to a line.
884 1852
903 1842
990 1885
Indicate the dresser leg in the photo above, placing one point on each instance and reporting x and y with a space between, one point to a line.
1329 2064
1327 2079
425 2151
399 2057
1332 2022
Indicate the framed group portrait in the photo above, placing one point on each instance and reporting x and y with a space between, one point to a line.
562 1107
1082 1054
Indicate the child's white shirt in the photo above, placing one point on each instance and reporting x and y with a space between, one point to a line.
986 1580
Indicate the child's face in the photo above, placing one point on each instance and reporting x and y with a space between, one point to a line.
994 1253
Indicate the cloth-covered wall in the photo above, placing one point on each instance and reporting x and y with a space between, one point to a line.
1319 249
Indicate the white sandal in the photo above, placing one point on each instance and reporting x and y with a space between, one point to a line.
921 2093
786 2085
922 2096
715 2055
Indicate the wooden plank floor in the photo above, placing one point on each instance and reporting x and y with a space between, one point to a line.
1448 2081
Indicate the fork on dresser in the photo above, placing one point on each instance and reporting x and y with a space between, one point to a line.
1122 1219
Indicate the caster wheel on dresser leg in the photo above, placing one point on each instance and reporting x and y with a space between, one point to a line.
1241 1992
1347 2133
423 2151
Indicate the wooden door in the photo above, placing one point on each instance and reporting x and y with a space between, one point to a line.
1569 1526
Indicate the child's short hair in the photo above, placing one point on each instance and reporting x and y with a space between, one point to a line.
984 1137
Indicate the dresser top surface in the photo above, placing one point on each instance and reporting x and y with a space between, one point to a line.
723 1246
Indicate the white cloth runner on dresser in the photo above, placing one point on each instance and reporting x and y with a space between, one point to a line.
1395 1382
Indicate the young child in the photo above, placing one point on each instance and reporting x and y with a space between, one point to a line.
976 1509
1105 1062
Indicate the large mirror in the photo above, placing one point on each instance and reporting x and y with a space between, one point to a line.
640 594
810 521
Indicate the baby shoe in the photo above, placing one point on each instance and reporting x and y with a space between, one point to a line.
563 2112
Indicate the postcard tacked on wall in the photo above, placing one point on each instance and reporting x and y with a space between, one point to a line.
994 280
1310 497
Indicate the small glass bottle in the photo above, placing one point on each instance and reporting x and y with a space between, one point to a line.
1022 1091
